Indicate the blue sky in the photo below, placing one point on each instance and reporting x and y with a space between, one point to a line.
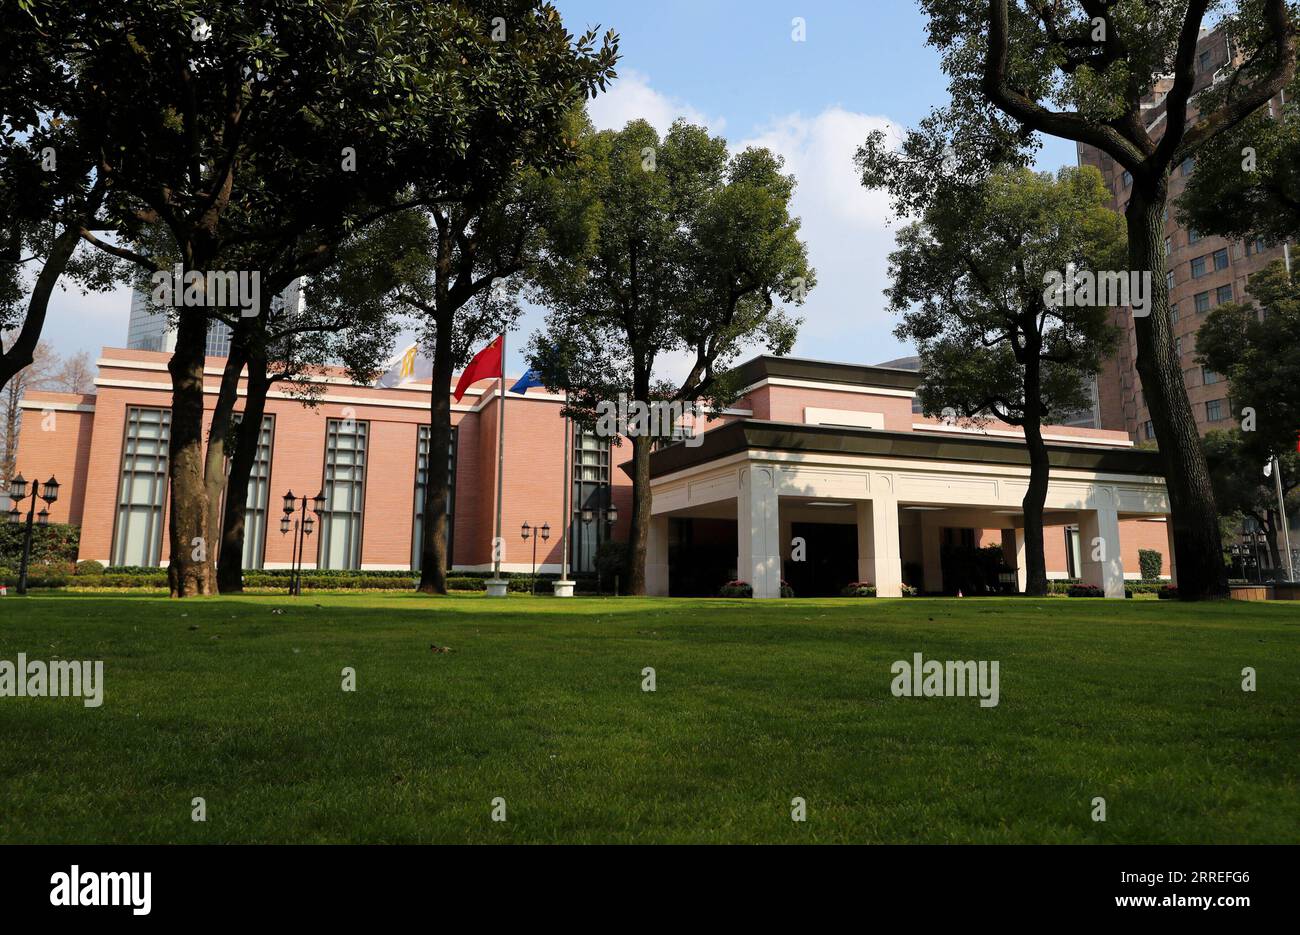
733 65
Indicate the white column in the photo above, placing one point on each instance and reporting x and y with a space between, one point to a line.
1022 570
1169 553
931 552
656 557
879 558
1103 566
758 531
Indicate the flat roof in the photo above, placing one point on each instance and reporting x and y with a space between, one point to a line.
823 371
762 435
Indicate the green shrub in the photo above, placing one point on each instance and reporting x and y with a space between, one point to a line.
858 589
611 562
466 583
1168 593
89 567
736 589
1150 561
1085 590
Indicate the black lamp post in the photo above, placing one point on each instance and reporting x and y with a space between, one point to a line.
18 493
542 532
301 529
609 515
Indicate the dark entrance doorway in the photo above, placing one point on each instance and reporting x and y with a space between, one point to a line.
831 559
702 556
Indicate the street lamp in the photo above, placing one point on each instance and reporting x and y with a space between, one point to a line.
49 492
302 528
542 532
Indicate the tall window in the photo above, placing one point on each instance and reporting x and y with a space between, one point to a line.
137 534
1214 410
1073 556
591 490
259 495
1223 295
345 492
421 481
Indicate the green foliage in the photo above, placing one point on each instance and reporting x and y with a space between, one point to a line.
611 561
671 246
1256 353
736 589
969 281
1150 561
1085 590
1247 180
858 589
90 567
55 544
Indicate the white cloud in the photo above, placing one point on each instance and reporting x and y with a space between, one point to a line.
849 231
631 97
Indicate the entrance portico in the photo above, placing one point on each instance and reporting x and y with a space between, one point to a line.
901 490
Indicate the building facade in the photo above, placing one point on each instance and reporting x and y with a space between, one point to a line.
832 454
1203 271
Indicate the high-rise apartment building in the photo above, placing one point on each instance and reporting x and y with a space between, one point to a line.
150 328
1203 271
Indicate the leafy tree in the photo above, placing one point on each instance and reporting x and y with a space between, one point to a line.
1247 180
1253 346
460 276
51 181
267 129
683 250
968 279
1084 70
1237 462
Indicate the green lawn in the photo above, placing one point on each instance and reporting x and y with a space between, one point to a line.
540 702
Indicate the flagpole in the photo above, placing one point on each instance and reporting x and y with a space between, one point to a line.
568 488
499 544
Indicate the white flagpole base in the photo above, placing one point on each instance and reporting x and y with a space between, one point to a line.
564 589
497 587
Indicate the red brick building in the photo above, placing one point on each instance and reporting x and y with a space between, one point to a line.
844 435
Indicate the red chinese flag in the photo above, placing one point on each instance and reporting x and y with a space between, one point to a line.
486 363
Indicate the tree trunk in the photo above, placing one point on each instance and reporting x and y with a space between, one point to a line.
1035 497
230 561
1198 548
434 559
214 466
639 535
188 515
19 354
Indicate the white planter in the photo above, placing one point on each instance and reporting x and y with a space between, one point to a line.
497 587
564 589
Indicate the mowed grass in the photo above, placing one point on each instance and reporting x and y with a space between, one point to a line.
540 703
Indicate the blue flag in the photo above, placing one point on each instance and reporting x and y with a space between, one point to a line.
531 378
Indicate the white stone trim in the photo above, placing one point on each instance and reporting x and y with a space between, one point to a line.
819 385
25 403
815 415
1004 433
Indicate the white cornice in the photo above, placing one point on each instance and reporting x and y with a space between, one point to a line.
56 406
835 387
1006 433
